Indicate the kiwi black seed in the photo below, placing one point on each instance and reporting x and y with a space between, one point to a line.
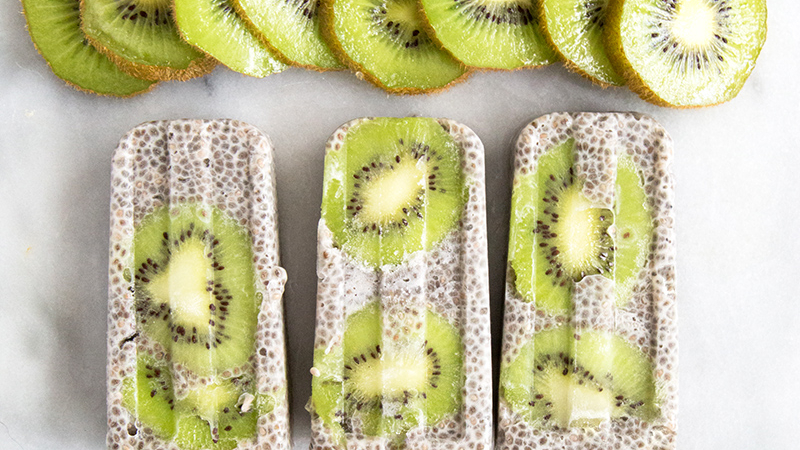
194 286
686 53
140 36
489 34
394 187
564 378
366 389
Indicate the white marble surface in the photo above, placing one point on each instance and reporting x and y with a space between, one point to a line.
738 211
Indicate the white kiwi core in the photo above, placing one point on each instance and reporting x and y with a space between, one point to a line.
695 23
386 196
183 285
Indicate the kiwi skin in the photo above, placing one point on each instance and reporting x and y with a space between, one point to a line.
635 83
571 66
329 35
196 68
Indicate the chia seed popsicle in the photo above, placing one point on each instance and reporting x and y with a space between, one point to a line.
402 350
196 355
589 355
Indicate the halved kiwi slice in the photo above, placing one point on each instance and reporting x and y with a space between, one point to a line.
562 381
55 28
385 42
558 237
292 29
195 286
489 34
393 188
149 396
686 53
214 27
360 381
575 30
141 38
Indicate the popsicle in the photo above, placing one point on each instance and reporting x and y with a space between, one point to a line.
589 352
196 356
402 350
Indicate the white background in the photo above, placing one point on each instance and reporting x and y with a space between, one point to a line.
738 225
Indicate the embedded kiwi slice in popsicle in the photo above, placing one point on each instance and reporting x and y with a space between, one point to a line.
149 396
292 28
385 41
560 381
489 34
686 53
558 237
215 27
394 187
575 30
355 384
195 286
55 29
140 36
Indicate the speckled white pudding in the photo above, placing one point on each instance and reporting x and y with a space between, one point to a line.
450 279
647 321
226 164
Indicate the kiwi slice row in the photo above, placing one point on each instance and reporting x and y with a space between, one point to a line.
682 53
194 295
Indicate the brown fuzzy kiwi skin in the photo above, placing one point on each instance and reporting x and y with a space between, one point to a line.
196 68
613 43
75 86
428 28
571 66
237 6
326 27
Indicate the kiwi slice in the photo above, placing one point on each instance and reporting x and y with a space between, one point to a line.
195 286
292 29
385 42
574 28
489 34
216 28
360 385
562 381
558 237
149 396
686 53
394 187
55 28
141 38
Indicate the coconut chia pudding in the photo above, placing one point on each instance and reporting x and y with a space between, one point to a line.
402 348
589 352
196 353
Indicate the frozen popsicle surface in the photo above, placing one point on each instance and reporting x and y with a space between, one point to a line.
589 354
196 355
402 349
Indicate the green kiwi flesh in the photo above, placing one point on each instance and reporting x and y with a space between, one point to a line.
195 286
489 34
215 27
292 28
213 416
575 29
560 380
141 38
54 26
686 53
362 386
393 188
558 237
385 41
